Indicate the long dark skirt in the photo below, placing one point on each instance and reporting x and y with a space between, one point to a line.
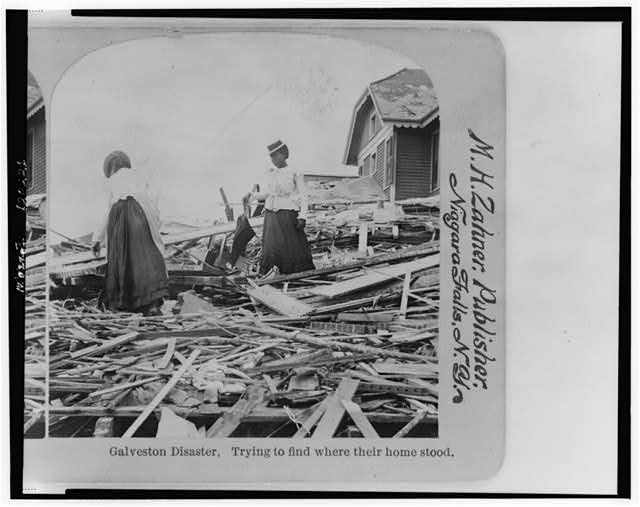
136 276
283 244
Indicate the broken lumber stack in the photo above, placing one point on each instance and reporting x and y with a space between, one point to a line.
346 349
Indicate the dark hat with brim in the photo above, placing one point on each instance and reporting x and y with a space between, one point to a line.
277 146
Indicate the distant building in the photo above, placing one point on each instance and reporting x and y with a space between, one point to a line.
36 139
394 135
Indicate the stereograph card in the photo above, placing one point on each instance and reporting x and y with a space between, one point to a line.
263 252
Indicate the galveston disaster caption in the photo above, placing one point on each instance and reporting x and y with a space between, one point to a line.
271 451
473 297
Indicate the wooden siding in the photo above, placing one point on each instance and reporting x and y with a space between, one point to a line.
39 171
413 161
413 169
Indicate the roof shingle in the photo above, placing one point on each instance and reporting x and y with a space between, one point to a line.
407 95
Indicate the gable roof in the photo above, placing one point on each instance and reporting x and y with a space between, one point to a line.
406 99
407 95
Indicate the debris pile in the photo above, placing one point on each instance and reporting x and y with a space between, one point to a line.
35 320
347 349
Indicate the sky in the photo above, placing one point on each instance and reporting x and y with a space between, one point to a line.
196 113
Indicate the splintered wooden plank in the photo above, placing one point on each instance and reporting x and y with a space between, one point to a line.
161 395
411 424
105 347
194 304
362 238
331 344
226 424
273 388
360 419
120 387
311 421
414 370
376 276
164 361
171 239
335 410
404 302
279 302
405 253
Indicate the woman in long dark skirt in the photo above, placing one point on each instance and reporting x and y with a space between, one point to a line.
136 278
284 242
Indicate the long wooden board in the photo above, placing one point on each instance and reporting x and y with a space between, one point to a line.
358 417
335 409
161 395
310 422
405 253
279 301
331 344
376 277
411 424
226 425
109 345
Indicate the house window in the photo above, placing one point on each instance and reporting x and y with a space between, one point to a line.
30 147
372 167
435 169
367 161
372 126
389 172
361 170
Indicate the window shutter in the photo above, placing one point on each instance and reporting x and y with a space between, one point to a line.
389 164
380 158
435 141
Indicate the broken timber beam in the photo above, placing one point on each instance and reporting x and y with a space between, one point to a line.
228 210
404 302
411 424
376 277
335 410
161 395
278 301
227 424
311 421
105 347
331 344
358 417
404 254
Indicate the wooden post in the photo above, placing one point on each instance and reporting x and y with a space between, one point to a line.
228 210
404 302
362 239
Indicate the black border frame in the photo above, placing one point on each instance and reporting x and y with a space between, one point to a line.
16 70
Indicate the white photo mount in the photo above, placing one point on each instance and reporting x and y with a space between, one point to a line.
467 67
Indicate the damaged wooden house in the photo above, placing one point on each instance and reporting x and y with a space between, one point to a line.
394 135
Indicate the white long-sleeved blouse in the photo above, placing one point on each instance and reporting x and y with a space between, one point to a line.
285 189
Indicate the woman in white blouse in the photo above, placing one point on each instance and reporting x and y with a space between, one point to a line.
136 277
284 242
